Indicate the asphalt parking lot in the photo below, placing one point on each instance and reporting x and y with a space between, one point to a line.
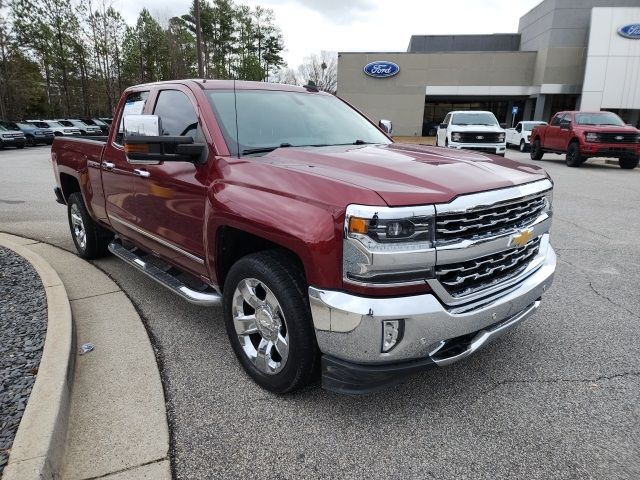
557 398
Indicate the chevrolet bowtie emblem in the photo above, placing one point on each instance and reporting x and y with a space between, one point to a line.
521 238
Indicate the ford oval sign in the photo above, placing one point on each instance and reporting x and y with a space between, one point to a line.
630 31
381 69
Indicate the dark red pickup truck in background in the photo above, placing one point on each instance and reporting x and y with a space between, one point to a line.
583 135
330 247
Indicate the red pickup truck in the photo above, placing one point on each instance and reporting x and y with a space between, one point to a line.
330 248
583 135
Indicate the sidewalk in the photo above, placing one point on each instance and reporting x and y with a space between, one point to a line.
117 425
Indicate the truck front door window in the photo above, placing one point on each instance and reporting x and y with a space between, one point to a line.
177 115
134 105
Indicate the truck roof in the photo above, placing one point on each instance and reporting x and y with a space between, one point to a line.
207 84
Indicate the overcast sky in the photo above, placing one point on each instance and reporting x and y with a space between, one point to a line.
309 26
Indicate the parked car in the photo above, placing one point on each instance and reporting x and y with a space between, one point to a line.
329 246
106 120
11 138
59 130
472 130
33 134
86 130
584 135
520 135
96 122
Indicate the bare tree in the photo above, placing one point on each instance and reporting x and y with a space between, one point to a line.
286 76
321 69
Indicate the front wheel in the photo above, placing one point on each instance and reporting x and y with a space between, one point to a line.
628 163
90 239
536 152
31 142
269 323
523 146
573 157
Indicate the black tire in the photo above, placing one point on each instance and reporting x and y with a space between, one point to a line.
31 141
57 134
536 152
523 146
446 142
20 147
96 237
573 157
279 273
628 163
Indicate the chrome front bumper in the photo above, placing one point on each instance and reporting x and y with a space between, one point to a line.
349 327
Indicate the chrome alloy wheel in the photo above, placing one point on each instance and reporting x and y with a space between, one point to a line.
261 326
77 226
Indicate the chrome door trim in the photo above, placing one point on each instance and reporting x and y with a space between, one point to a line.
155 238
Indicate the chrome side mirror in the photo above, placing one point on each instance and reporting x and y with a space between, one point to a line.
386 126
141 126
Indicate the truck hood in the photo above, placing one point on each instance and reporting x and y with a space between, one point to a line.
404 174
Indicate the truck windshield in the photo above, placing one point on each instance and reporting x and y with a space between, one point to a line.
258 121
599 118
474 118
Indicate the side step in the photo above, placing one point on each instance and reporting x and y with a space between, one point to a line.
207 297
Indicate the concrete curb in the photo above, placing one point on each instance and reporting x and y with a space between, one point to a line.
38 446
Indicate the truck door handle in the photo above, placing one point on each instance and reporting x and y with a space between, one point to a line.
142 173
108 165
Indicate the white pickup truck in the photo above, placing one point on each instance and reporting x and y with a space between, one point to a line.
520 135
472 130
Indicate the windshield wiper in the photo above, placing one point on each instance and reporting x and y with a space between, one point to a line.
249 151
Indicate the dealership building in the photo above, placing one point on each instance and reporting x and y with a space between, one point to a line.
566 55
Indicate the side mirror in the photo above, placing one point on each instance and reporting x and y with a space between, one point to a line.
442 125
386 126
144 142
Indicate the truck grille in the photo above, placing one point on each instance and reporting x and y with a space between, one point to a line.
622 137
479 137
487 222
465 278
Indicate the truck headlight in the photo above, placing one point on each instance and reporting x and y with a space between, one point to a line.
501 137
456 137
388 246
591 137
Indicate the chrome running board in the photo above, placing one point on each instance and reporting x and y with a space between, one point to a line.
205 297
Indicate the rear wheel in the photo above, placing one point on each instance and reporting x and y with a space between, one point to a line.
31 142
573 157
628 163
90 239
20 147
536 152
269 323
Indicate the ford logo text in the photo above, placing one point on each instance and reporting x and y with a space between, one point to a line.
630 31
381 69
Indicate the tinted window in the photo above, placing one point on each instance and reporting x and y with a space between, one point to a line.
269 119
599 118
177 115
474 118
134 105
555 121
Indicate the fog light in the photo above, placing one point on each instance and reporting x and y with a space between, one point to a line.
392 331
